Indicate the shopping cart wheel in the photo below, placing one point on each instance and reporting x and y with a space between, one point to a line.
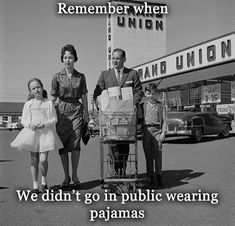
102 184
101 181
132 188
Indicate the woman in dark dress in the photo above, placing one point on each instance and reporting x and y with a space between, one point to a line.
69 90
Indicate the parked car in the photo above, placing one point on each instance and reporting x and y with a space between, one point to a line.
14 126
3 126
197 124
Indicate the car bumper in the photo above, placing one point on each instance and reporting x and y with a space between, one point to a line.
179 133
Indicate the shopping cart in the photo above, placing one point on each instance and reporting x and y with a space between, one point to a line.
117 128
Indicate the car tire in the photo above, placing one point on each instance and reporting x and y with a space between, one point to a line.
226 131
197 134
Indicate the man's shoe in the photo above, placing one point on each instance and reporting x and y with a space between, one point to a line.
151 180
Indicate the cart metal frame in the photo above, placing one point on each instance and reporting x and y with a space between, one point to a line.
118 128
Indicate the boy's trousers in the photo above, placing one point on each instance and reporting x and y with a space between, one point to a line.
152 150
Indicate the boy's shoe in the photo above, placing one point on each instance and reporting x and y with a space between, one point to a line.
151 180
159 181
44 188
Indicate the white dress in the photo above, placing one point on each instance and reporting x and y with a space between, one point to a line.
39 140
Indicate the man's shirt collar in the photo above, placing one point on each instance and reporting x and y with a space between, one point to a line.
121 70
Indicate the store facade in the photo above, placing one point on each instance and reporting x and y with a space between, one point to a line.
202 76
10 112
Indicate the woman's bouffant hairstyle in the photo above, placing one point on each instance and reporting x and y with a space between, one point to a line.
31 96
70 48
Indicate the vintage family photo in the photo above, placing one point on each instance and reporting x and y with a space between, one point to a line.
117 111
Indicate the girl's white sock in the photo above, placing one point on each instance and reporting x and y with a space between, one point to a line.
35 185
44 180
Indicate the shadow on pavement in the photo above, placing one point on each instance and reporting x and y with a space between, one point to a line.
1 188
83 186
90 184
6 161
171 178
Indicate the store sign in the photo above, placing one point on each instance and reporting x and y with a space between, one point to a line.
225 109
138 27
174 98
143 16
211 94
207 54
233 91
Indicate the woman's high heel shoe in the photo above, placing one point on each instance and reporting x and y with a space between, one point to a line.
65 184
76 184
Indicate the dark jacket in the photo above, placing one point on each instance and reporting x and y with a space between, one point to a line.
130 78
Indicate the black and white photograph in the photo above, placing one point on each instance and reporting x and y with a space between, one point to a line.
118 112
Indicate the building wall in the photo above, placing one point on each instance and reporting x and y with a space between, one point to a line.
143 37
10 112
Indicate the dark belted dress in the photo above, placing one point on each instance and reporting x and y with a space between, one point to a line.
69 109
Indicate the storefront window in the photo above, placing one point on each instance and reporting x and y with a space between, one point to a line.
5 118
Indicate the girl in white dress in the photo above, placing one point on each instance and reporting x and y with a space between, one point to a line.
38 135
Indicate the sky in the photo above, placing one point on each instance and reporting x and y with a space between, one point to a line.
32 35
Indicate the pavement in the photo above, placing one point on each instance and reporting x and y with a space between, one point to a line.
198 176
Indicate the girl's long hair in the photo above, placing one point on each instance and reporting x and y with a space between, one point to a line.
30 95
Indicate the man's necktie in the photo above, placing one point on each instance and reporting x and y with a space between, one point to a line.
118 77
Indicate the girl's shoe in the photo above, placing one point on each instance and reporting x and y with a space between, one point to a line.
35 191
65 184
44 188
